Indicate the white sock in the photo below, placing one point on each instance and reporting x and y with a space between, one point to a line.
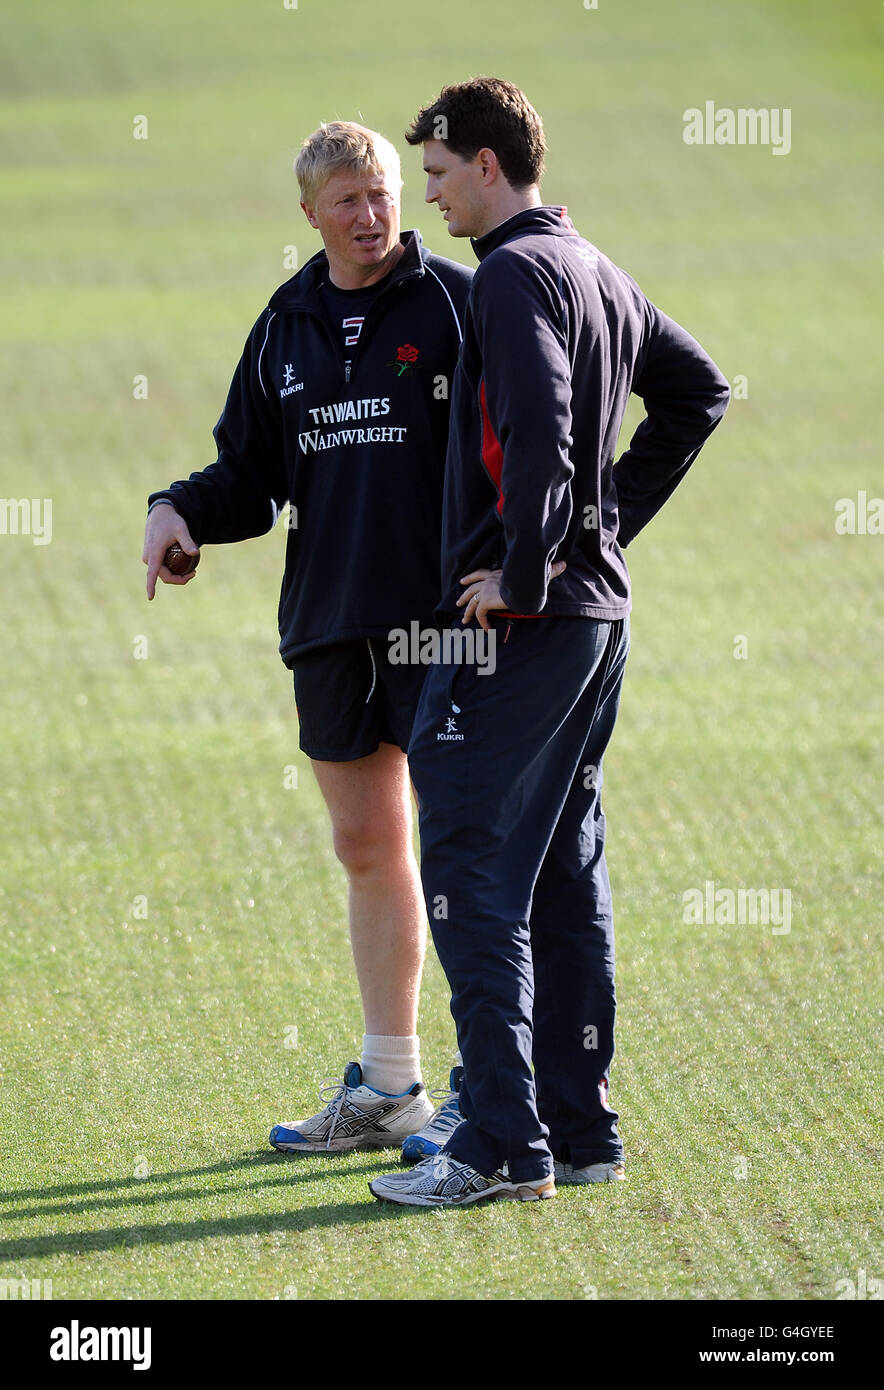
391 1064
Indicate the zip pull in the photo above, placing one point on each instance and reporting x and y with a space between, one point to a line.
347 366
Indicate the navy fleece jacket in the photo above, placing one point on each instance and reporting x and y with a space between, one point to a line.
556 337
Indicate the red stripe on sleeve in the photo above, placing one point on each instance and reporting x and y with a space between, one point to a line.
492 453
492 457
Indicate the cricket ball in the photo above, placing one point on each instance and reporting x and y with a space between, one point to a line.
178 560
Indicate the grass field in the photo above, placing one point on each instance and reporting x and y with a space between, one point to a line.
172 917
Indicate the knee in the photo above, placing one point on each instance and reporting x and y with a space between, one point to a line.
369 846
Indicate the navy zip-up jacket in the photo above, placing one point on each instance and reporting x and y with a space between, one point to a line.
556 338
359 451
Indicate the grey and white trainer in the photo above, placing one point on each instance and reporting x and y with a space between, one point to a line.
567 1174
356 1117
442 1181
441 1126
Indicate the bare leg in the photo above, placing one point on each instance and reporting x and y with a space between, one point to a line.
370 806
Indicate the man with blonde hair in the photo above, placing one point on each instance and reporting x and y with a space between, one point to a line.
339 406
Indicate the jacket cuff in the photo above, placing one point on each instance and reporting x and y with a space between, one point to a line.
513 607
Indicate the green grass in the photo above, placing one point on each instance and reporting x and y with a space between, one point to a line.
143 1057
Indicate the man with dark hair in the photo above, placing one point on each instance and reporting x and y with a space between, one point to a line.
537 514
486 112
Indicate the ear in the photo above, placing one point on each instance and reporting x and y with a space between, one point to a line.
310 215
489 166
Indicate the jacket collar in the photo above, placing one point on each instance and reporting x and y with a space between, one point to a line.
532 220
298 293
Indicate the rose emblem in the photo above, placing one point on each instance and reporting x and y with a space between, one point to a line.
406 356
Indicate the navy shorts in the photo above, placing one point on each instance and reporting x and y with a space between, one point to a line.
351 699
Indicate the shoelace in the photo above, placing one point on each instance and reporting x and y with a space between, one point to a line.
443 1095
448 1113
334 1105
445 1165
441 1165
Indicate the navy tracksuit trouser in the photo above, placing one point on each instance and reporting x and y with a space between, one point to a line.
507 770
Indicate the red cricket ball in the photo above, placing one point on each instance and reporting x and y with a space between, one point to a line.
178 560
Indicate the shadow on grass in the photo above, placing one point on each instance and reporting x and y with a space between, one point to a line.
134 1237
81 1242
259 1159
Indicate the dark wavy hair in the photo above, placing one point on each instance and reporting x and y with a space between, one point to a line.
486 113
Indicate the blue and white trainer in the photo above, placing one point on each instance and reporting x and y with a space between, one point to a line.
442 1181
567 1174
356 1117
444 1122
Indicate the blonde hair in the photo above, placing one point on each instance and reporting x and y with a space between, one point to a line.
342 145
